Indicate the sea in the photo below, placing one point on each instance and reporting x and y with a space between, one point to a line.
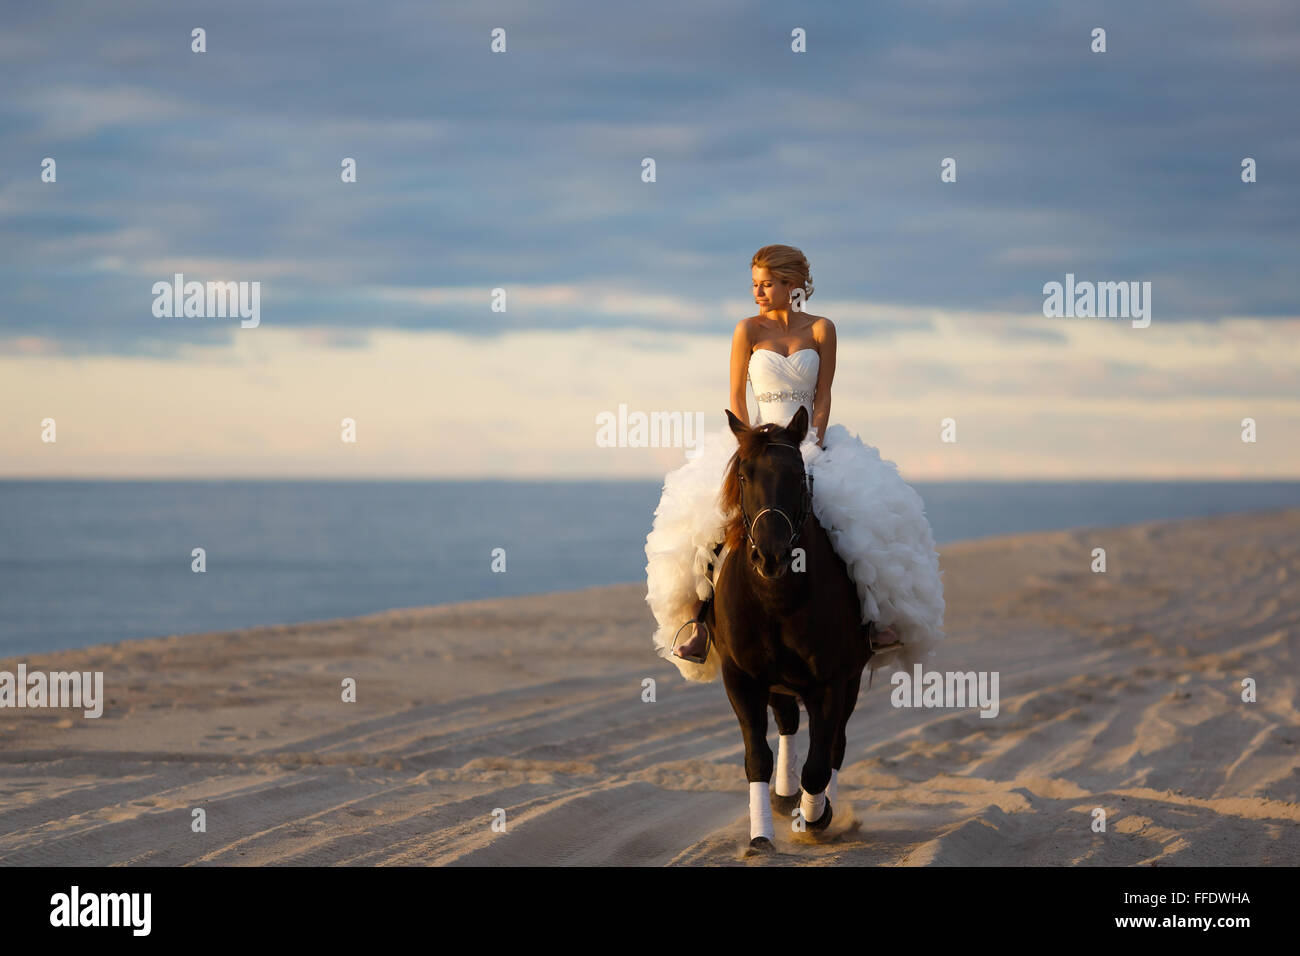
91 562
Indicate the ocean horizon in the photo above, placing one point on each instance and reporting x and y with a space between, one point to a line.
86 562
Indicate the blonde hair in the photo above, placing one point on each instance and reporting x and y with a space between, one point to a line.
786 263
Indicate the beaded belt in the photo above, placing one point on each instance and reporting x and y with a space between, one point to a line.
788 395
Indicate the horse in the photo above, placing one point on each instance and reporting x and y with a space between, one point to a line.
787 626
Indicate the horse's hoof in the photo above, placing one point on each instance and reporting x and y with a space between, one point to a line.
784 805
823 821
760 846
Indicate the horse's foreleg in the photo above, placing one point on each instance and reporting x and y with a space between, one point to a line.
823 712
785 707
749 701
850 701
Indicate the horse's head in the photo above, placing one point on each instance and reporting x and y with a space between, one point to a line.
768 491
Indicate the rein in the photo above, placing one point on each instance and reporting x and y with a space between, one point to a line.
805 505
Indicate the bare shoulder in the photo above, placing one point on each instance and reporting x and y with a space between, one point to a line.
823 329
745 330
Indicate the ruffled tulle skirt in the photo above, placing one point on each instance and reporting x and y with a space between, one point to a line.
875 520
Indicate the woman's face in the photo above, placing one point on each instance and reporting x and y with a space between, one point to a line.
769 291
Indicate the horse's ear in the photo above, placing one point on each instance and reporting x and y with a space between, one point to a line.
738 427
798 427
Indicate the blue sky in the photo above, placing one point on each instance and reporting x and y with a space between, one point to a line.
522 170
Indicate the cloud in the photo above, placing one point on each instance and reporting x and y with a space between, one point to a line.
268 402
523 170
71 112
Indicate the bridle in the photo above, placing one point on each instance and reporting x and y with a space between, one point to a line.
805 504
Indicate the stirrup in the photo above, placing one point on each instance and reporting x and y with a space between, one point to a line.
708 641
879 648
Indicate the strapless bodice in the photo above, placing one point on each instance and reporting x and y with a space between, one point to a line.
782 383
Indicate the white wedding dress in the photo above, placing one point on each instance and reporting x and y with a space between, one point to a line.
876 522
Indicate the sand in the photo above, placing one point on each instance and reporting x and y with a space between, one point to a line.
1119 690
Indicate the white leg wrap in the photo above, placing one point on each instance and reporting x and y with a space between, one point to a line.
813 806
760 812
787 766
832 788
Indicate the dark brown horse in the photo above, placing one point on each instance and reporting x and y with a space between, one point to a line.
786 620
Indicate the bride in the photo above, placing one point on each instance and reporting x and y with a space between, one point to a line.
875 520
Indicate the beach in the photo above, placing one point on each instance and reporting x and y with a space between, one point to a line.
517 731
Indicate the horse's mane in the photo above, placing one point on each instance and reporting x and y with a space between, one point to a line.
750 444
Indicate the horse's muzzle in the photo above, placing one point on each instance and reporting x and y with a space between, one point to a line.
768 567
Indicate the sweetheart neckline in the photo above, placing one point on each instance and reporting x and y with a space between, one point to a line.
782 354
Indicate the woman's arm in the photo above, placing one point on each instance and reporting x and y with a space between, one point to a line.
740 348
824 336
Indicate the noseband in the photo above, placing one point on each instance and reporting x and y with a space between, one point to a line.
805 505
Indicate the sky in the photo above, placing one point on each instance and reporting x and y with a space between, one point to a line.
522 170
